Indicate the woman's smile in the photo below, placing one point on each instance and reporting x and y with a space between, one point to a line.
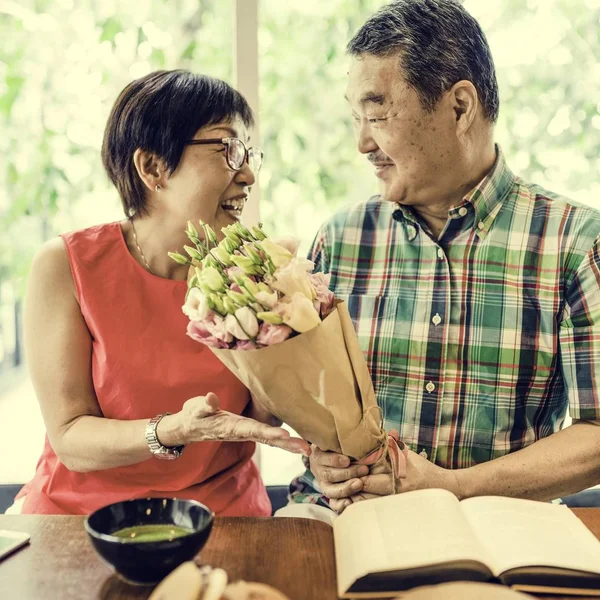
234 206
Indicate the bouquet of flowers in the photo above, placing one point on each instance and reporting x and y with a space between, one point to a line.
279 329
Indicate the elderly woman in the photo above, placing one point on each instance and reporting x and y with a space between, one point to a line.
132 406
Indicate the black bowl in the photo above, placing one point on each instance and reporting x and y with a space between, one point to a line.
149 562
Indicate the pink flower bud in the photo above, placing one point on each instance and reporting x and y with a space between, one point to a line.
198 331
245 345
325 296
273 334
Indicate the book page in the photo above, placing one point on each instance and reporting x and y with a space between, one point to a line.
521 533
391 533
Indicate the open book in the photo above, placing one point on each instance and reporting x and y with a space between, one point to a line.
391 544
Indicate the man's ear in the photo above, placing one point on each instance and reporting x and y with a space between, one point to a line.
465 103
150 169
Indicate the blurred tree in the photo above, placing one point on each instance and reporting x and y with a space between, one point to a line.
546 54
62 63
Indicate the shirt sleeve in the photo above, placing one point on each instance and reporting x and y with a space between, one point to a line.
305 489
318 252
579 339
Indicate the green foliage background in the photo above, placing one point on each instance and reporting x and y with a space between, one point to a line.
62 63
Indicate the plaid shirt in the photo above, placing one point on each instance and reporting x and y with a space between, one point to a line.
477 342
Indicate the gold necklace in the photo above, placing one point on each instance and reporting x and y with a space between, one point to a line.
139 249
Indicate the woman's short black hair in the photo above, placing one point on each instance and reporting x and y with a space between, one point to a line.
159 113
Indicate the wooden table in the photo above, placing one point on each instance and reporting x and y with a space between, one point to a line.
293 555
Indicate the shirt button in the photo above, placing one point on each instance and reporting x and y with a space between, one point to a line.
462 211
440 253
436 319
411 232
430 387
423 453
480 225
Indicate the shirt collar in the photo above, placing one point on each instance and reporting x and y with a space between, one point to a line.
485 198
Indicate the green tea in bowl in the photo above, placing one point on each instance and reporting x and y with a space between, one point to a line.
151 533
146 538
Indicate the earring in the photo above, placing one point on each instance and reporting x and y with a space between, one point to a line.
157 188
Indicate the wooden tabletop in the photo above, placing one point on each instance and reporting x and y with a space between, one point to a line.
293 555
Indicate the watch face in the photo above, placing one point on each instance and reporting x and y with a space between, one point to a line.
168 455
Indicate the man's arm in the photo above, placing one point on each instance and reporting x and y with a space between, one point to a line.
565 462
561 464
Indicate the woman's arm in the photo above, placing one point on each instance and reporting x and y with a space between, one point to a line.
59 347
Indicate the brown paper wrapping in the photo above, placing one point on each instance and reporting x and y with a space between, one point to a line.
318 383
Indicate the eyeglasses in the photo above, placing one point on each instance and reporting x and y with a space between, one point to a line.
236 153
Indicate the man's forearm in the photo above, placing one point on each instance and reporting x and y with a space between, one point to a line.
561 464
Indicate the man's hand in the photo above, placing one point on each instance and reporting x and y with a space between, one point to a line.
420 474
336 478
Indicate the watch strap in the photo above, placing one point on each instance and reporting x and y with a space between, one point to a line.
156 448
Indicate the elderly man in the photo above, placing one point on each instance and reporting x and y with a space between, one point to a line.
476 295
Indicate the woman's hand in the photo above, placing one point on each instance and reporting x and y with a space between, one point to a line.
201 420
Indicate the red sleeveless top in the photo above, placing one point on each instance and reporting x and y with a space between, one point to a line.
143 364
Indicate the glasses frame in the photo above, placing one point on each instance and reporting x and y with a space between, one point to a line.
226 142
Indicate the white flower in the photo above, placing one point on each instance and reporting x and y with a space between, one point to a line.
196 306
243 325
212 278
266 299
293 278
306 264
288 242
278 254
300 314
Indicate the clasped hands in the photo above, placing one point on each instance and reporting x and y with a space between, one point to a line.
344 482
340 480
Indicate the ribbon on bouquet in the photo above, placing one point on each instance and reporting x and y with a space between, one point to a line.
397 452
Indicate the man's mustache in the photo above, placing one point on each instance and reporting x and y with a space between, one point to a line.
376 158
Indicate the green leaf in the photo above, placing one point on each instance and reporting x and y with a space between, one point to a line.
158 58
12 175
52 200
188 53
14 83
301 141
110 28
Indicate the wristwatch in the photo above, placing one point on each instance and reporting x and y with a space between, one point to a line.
158 450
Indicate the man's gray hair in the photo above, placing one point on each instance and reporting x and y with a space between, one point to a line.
438 42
